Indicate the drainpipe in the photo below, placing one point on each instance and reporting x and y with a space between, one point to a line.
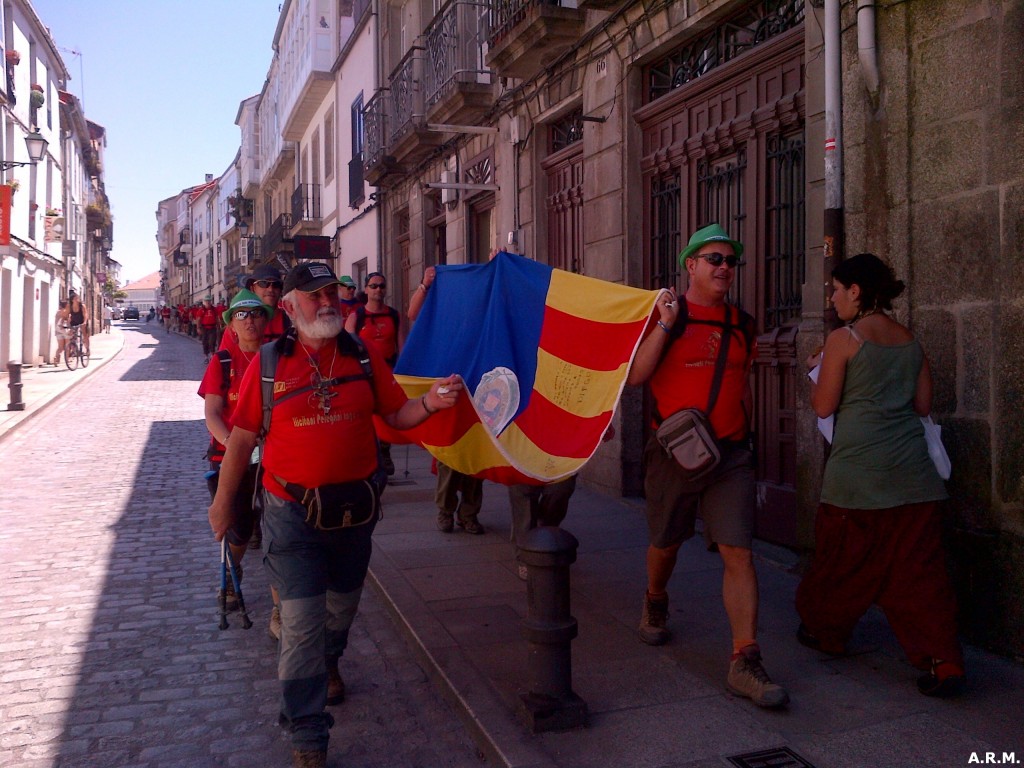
867 51
834 229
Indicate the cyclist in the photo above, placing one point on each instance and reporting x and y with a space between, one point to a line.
78 316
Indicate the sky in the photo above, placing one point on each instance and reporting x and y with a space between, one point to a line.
165 78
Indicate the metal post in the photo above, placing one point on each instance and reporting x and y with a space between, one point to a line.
14 382
549 704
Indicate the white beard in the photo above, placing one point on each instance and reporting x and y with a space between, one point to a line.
327 325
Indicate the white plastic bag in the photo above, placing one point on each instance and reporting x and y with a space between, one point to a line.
937 451
826 425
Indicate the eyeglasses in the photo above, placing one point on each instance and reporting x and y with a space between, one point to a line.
716 259
269 284
245 314
382 286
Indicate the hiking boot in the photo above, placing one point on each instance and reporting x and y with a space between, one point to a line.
945 681
652 623
445 521
748 678
471 526
275 623
335 685
256 540
309 758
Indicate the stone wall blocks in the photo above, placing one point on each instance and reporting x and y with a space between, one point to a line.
936 329
948 156
1009 374
955 73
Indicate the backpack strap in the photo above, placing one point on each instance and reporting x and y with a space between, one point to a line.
225 370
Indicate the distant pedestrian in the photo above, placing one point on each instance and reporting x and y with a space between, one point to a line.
704 365
61 330
878 532
108 317
208 325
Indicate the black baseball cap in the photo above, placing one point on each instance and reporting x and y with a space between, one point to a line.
310 276
262 272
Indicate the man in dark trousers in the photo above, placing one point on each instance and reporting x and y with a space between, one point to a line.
320 447
680 366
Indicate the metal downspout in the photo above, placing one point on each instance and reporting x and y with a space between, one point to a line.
834 229
867 51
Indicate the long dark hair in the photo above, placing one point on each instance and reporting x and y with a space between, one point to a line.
877 281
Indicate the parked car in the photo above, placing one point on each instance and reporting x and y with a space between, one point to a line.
131 313
115 313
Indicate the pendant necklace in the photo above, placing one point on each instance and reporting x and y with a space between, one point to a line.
321 389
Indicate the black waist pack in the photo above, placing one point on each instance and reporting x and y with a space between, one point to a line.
339 505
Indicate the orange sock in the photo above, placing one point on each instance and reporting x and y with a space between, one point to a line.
739 645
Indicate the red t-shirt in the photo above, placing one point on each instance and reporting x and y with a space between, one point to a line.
208 317
683 378
213 384
379 331
304 445
165 312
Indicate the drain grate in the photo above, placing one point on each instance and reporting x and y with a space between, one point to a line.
779 757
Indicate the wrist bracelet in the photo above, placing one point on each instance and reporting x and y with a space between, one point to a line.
664 327
426 408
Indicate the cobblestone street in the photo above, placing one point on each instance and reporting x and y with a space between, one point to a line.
111 655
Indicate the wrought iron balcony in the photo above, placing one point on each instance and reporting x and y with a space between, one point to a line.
378 164
410 140
253 250
278 237
457 82
527 34
306 204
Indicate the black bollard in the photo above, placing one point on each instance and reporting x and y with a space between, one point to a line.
14 382
549 703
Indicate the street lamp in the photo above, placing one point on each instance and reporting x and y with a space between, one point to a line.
243 228
36 149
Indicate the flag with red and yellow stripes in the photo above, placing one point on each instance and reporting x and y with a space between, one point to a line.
544 355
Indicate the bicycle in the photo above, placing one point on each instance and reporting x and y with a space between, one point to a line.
75 352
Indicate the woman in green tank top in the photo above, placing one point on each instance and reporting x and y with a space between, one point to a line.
878 530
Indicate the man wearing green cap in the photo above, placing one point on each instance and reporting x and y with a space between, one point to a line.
684 370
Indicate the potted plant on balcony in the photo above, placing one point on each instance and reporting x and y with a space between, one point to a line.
36 98
13 57
14 184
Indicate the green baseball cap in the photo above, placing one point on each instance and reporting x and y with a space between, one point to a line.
712 233
246 300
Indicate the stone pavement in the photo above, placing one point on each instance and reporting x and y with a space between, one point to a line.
110 653
458 598
140 661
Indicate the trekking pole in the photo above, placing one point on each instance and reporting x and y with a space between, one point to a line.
222 593
246 621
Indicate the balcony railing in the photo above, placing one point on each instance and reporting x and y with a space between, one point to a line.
375 128
456 42
506 14
278 235
356 194
253 250
407 93
306 203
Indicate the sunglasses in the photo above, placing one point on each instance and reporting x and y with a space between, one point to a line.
269 284
245 314
382 286
716 259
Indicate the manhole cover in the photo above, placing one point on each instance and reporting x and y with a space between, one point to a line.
779 757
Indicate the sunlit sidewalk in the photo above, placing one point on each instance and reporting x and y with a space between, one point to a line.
44 383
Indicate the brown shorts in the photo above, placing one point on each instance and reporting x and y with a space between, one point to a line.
724 499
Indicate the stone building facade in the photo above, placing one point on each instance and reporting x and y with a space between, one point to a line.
597 137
